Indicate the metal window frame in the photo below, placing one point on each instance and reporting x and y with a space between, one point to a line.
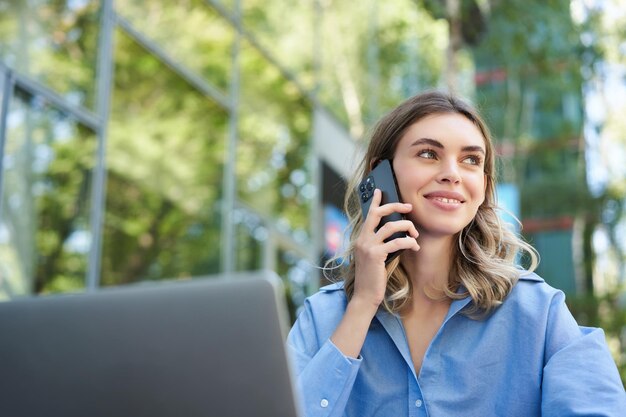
179 69
7 94
236 20
97 120
104 79
14 82
229 178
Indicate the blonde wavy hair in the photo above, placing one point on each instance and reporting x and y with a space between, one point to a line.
486 250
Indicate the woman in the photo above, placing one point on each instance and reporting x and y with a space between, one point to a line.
451 326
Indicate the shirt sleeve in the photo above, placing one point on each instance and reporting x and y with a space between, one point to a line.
579 376
325 376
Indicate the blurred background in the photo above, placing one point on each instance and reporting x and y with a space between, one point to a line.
167 140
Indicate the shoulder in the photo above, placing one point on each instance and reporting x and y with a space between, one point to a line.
539 313
328 302
322 312
328 298
530 285
533 296
336 286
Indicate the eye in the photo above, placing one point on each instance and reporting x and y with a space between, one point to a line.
427 153
473 159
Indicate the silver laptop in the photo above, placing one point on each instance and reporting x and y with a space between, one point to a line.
203 347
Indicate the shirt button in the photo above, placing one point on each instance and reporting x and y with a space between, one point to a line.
418 403
324 403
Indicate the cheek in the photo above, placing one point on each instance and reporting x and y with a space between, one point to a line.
479 187
411 181
403 188
405 176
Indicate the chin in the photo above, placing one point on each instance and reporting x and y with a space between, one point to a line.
435 231
445 233
438 227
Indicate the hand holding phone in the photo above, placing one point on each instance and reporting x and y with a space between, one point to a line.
383 178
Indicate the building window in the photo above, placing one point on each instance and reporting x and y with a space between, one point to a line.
47 171
165 159
273 169
54 43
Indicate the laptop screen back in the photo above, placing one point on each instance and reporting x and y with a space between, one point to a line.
205 347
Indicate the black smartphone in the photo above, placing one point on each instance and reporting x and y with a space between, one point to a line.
383 178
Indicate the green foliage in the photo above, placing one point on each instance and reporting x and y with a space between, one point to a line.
61 211
607 311
532 64
202 43
273 165
165 166
472 18
534 36
537 48
288 40
54 42
374 56
47 182
531 92
166 143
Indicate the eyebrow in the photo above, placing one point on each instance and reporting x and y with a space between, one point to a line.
437 144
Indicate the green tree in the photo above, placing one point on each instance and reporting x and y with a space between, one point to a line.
533 62
606 23
53 155
374 56
165 156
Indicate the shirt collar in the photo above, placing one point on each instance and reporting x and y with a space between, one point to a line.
457 305
394 328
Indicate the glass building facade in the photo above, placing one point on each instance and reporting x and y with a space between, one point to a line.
164 140
157 140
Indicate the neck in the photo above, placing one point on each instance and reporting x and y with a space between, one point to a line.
429 268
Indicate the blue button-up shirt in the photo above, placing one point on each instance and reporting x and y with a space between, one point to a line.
527 358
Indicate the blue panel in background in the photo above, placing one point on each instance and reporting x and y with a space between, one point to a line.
336 235
509 200
557 262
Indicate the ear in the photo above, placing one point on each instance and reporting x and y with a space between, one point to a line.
373 163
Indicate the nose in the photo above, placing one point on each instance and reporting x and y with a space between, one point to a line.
449 173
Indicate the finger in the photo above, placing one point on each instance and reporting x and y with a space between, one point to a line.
400 244
377 212
398 226
372 220
387 209
376 199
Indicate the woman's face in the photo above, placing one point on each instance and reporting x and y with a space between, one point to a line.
439 167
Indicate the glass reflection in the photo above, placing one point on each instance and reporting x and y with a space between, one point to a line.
165 156
54 42
273 174
373 55
44 225
297 278
203 38
250 237
265 19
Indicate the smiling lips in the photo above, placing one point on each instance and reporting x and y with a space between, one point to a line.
446 197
